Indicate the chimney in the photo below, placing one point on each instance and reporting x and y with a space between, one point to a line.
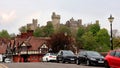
30 32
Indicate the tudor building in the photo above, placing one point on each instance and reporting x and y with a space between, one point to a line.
27 48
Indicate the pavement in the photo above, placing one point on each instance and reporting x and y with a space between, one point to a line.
3 66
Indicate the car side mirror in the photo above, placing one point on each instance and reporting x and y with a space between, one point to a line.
85 55
59 55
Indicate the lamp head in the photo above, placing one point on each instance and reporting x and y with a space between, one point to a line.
110 19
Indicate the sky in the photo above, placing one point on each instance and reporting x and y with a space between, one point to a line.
17 13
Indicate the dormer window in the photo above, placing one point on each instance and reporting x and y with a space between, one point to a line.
23 44
43 49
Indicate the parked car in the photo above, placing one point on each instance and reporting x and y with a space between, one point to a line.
49 57
7 60
112 59
90 58
66 56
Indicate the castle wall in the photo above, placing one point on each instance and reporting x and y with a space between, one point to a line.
33 25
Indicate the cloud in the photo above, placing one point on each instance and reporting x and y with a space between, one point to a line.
42 17
7 17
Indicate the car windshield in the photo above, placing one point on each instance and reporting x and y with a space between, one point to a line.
53 54
68 53
93 53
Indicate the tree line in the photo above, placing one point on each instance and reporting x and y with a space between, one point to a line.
89 37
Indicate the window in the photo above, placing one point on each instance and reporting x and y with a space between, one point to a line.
117 54
47 54
61 53
23 48
112 53
82 53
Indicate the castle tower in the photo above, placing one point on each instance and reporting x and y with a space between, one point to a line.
55 20
33 25
35 22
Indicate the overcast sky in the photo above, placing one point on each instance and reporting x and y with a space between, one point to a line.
17 13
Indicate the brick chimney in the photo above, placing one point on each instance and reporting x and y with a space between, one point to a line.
30 32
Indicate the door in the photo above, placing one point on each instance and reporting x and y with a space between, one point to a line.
82 57
24 58
116 60
59 56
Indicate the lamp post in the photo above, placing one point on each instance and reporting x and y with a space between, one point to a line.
110 19
65 45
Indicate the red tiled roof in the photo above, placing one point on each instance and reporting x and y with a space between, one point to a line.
34 42
37 42
19 41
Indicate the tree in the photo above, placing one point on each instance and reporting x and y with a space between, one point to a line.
89 41
38 32
23 29
60 41
103 40
4 34
94 28
80 32
44 31
116 42
48 29
64 29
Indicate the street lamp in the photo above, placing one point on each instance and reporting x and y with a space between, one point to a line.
110 19
65 45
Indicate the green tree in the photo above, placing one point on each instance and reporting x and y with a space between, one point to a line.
64 29
80 32
94 28
23 29
4 34
103 40
38 32
48 29
89 41
116 42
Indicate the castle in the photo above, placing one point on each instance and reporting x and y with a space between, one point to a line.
33 25
72 24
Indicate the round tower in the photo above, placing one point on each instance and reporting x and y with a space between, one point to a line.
55 20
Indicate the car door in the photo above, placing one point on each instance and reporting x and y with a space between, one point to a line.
116 60
110 58
82 56
45 57
59 56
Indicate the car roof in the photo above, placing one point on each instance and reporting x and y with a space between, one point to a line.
65 50
87 51
115 50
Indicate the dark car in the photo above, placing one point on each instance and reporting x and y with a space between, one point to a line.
90 58
66 56
112 59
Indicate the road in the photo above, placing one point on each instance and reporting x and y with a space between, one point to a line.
44 65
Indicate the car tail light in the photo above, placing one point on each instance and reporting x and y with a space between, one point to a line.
50 56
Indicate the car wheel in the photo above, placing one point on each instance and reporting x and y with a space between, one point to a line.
57 61
46 59
88 63
63 61
106 65
77 62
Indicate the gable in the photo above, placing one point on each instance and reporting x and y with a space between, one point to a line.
23 44
44 46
